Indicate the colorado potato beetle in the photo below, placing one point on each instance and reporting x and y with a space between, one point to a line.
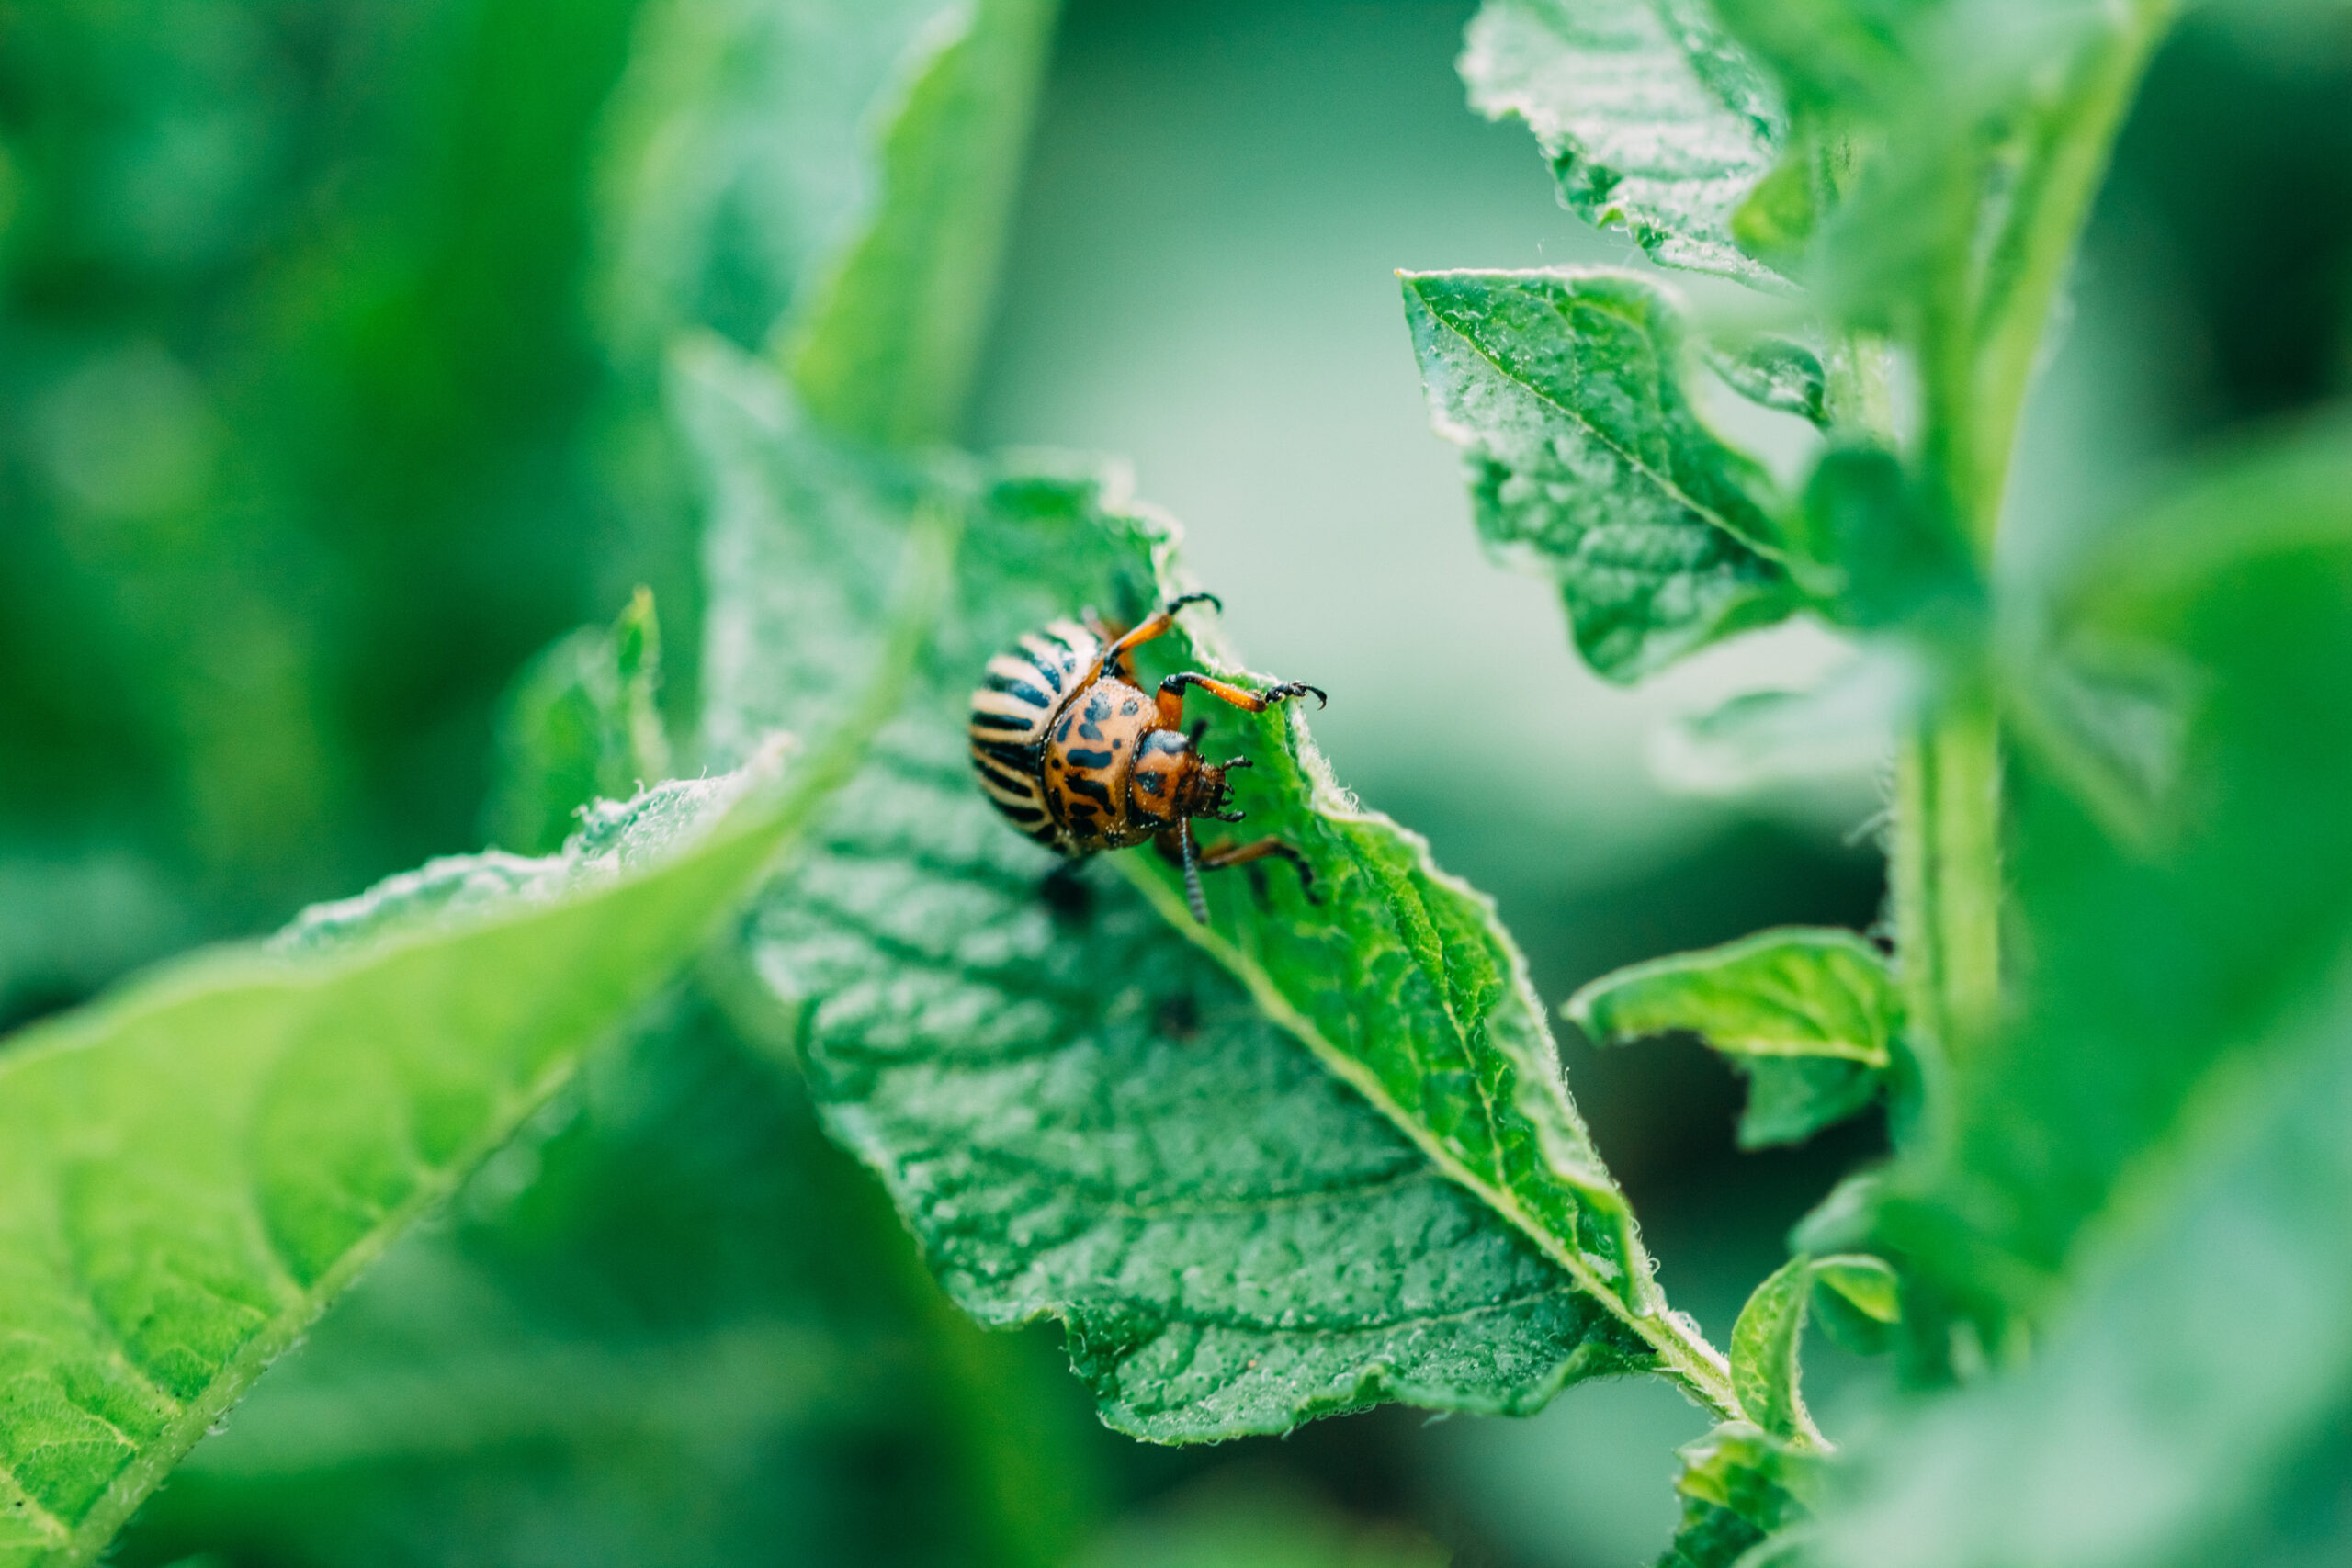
1069 747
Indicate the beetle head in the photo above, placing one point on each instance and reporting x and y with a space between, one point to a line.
1206 792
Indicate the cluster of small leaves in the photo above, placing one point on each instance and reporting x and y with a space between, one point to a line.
2121 1166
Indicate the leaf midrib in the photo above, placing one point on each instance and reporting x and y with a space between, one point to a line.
1684 1361
1670 489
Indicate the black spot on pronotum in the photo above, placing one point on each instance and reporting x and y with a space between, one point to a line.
1094 789
1151 781
1129 708
1085 758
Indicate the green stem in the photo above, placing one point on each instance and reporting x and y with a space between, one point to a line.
2068 159
1946 869
1979 343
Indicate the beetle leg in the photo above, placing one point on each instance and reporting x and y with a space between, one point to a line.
1171 694
1119 655
1228 854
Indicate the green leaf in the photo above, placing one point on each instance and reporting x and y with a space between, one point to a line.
1740 1487
1956 146
2145 1177
670 1322
1879 552
582 722
193 1167
1792 991
1778 372
2189 1404
1791 1097
744 159
1856 1298
1651 118
2152 960
1865 1281
1807 1015
1765 1370
1253 1194
888 351
1588 462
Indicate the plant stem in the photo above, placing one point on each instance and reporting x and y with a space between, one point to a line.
1979 348
1946 869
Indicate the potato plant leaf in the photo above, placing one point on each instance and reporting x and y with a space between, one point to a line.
1589 463
887 350
1766 1369
743 159
582 722
1741 1487
1652 119
2147 1170
1253 1195
1777 372
1858 1301
2152 959
192 1166
2190 1399
1808 1016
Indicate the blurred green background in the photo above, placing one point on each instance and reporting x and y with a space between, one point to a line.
329 356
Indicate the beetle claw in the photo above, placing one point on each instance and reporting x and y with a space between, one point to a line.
1298 689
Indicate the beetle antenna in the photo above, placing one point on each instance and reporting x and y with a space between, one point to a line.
1192 895
1200 728
1237 762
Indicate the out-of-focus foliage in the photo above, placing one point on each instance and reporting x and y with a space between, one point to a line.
290 301
197 1164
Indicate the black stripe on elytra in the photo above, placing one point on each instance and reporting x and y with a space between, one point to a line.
983 719
1020 759
1010 783
1023 813
1049 660
1044 835
1082 757
1094 789
1019 691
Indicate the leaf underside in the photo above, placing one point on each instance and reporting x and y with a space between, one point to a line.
1651 119
1589 464
1081 1113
